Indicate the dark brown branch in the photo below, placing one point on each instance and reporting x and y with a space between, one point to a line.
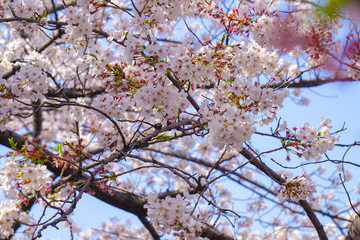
315 221
37 119
75 93
213 234
300 83
262 166
276 177
309 83
149 227
127 201
7 134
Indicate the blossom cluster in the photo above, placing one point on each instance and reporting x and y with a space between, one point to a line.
24 180
114 229
354 70
238 20
162 101
173 215
79 24
10 213
7 106
94 61
106 134
19 181
27 9
32 82
230 127
309 142
160 13
251 59
297 188
245 58
231 116
282 33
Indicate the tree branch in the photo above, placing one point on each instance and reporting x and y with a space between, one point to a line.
276 177
309 83
75 93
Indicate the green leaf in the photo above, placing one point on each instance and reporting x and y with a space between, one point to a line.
58 148
230 80
163 137
222 39
12 143
93 55
69 145
119 69
332 9
59 188
112 176
44 14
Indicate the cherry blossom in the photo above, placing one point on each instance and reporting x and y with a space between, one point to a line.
156 107
298 188
173 214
